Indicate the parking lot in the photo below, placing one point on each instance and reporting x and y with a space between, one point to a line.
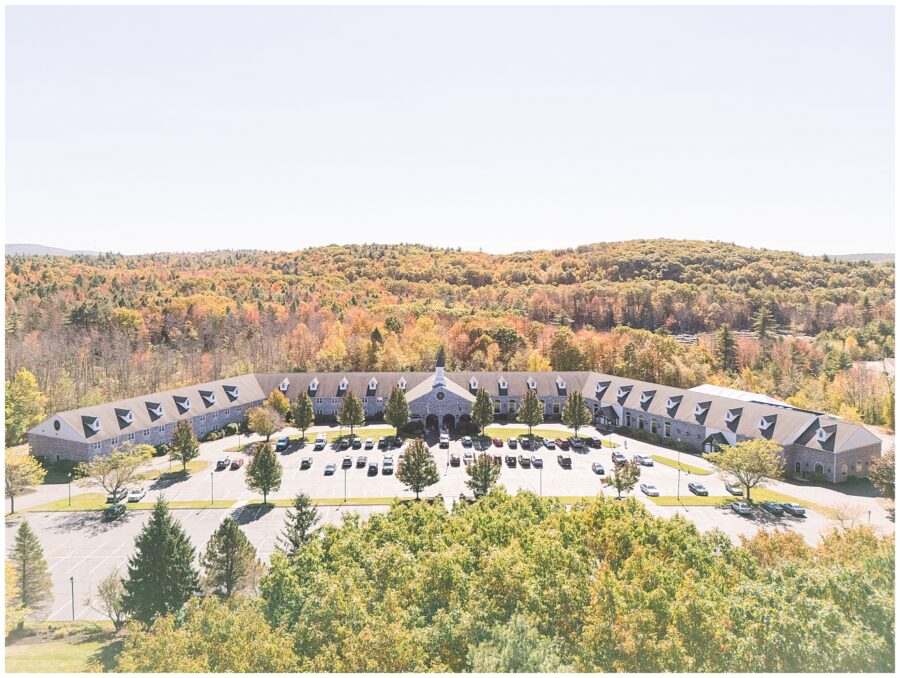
79 545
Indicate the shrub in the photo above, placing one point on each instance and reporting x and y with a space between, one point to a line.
231 429
412 427
161 450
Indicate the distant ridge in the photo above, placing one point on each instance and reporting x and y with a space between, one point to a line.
42 250
874 257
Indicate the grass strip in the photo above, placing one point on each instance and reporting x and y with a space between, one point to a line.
201 504
507 432
193 467
665 461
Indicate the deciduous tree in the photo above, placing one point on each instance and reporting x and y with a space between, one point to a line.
25 406
482 410
184 446
417 469
264 421
531 411
278 402
882 473
483 474
264 471
113 472
751 462
351 412
22 471
109 599
575 413
623 478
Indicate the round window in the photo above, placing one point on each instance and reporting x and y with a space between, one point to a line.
440 395
56 425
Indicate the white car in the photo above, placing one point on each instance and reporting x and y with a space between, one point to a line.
369 444
466 441
136 494
320 442
445 440
643 460
649 490
468 457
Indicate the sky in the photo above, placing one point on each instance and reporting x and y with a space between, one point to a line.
140 129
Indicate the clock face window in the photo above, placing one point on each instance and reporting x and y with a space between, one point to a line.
440 395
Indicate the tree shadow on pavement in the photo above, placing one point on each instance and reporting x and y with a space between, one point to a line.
855 487
169 479
91 521
251 513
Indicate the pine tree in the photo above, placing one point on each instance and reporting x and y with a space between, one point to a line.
575 413
726 348
184 446
161 574
264 471
230 561
417 470
32 575
351 412
396 411
300 523
764 324
304 414
483 474
531 412
482 410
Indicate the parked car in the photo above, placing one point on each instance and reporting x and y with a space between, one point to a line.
305 463
773 507
236 463
454 459
361 461
794 509
497 442
110 513
562 443
536 461
643 460
320 443
223 464
698 489
736 490
577 444
373 468
117 496
597 468
512 443
369 444
618 457
347 462
526 443
382 443
357 443
387 465
741 508
497 458
468 457
595 442
564 460
649 489
511 460
330 469
445 441
136 494
524 461
466 441
344 444
281 445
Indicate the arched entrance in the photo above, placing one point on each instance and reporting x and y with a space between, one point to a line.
431 422
449 422
819 468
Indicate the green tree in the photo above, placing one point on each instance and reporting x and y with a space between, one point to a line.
751 462
32 575
764 325
299 525
482 410
229 562
15 613
623 478
113 472
304 414
351 412
264 421
392 324
417 469
517 647
396 410
109 599
483 474
22 470
25 406
278 402
726 348
883 474
564 354
161 575
184 446
531 411
575 413
264 471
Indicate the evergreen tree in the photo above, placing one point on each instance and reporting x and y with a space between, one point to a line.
764 324
483 474
304 413
351 412
300 524
25 406
575 413
482 410
32 575
396 411
726 348
230 561
417 470
264 471
184 446
161 574
531 412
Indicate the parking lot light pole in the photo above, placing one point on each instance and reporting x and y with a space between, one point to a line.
345 486
678 488
541 480
212 485
72 582
70 489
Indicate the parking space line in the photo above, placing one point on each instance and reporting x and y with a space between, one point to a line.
111 555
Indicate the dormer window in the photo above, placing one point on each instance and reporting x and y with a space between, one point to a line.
560 383
283 386
601 388
344 384
373 385
125 417
532 384
209 398
623 392
155 410
767 422
647 396
232 392
673 402
183 403
314 386
91 425
823 435
733 415
401 384
473 384
700 409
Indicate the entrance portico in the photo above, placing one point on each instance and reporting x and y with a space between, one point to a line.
438 402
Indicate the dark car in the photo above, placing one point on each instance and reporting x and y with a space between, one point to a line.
357 443
794 509
373 468
595 442
773 507
346 462
454 459
382 443
110 513
564 460
497 442
361 462
306 462
344 444
536 461
236 464
511 460
512 443
330 469
618 457
281 445
698 489
562 443
222 464
577 444
524 461
597 468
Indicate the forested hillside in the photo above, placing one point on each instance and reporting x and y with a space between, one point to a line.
96 328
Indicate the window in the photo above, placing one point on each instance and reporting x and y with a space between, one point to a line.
129 438
556 408
843 469
114 441
319 401
511 406
628 418
858 466
95 447
653 426
543 406
641 423
146 433
667 429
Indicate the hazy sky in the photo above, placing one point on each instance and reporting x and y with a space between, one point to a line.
146 129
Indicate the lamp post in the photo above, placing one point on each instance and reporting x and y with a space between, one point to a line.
70 489
345 486
212 485
72 582
678 488
541 480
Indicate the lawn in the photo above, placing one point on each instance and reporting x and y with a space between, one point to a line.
90 501
58 472
333 501
507 432
757 494
684 467
199 504
193 467
62 648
